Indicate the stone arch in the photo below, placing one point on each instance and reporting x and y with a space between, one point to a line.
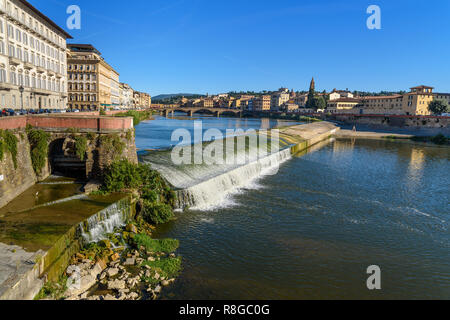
63 159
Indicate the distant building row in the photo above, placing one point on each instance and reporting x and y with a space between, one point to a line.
38 70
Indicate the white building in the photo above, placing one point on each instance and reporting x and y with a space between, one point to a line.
33 67
127 96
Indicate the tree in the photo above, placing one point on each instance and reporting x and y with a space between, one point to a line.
438 107
319 103
311 95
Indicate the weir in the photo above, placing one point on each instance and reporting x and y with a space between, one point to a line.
203 187
71 223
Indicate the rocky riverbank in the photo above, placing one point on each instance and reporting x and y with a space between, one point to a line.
128 265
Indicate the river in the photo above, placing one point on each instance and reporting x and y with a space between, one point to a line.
312 230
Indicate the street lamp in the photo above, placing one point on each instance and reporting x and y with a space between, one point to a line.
21 89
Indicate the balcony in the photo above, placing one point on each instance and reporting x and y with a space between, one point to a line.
14 61
41 92
40 70
28 66
6 86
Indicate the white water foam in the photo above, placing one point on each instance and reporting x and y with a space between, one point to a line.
217 192
103 223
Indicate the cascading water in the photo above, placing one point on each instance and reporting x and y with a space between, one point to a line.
204 187
98 226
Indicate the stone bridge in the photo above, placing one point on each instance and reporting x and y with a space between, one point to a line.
190 111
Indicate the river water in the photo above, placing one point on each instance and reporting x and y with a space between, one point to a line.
312 230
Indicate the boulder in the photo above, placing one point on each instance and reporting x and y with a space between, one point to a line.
112 272
130 262
116 285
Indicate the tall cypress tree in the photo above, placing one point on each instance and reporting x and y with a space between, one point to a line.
312 91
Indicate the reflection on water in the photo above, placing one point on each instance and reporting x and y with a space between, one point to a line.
311 231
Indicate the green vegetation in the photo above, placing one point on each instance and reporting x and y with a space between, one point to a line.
81 143
438 107
38 148
153 245
8 142
440 139
137 116
53 290
157 197
156 213
114 144
102 112
168 268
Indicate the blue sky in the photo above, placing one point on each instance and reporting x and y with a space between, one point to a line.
213 46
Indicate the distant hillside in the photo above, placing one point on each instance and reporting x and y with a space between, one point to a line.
173 95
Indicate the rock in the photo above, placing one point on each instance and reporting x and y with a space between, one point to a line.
112 272
115 257
130 262
102 264
139 260
157 289
133 296
92 186
156 276
136 253
165 283
85 282
109 297
148 267
131 228
172 255
148 274
102 276
71 269
116 285
151 259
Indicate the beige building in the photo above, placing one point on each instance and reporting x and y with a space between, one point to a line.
32 58
262 103
126 96
93 83
337 94
301 100
279 98
343 105
415 102
142 100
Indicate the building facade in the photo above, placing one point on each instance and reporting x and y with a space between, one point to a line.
93 83
279 98
126 96
32 58
262 103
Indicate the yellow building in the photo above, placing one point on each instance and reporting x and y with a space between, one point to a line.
92 82
382 104
262 103
343 105
417 101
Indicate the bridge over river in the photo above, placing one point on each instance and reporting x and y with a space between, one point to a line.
190 111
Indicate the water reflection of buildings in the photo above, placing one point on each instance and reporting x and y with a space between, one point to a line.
416 166
265 123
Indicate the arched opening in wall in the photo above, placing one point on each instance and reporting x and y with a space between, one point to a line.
64 161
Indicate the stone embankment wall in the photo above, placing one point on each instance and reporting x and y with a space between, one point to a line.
108 139
414 122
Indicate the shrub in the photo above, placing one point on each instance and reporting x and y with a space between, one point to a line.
8 142
114 144
157 213
154 245
81 146
38 148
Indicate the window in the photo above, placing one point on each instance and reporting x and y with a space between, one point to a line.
12 50
18 35
2 75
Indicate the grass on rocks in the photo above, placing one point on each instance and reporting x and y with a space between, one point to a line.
153 245
166 267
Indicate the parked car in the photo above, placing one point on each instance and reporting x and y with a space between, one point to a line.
76 110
